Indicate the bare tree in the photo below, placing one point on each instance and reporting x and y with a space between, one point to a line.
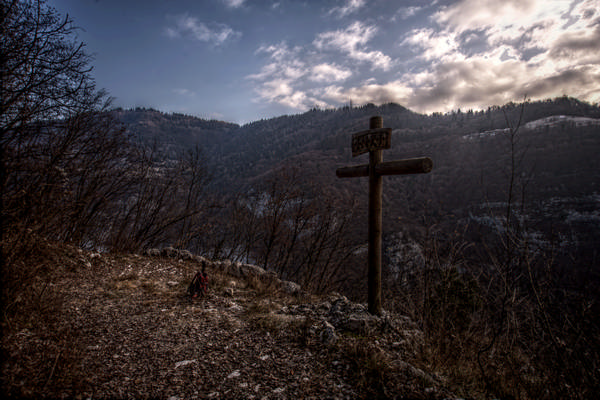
45 71
60 150
69 171
54 131
303 231
164 203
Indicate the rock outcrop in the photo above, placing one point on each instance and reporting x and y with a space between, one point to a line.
235 269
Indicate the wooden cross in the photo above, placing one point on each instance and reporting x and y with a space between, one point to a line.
373 141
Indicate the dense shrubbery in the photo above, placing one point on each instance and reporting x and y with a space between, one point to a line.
69 173
508 323
502 316
286 225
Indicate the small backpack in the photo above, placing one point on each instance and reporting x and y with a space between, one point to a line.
196 285
203 282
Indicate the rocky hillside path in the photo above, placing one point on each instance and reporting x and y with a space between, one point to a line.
122 327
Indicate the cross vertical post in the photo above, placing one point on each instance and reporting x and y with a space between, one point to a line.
375 222
374 141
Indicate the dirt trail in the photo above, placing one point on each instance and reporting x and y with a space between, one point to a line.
121 327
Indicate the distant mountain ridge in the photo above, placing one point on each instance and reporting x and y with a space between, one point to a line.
541 123
320 139
173 132
557 146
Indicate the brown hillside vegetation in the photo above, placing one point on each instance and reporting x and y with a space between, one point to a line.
91 325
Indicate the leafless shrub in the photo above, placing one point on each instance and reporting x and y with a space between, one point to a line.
162 204
304 232
500 317
55 137
286 225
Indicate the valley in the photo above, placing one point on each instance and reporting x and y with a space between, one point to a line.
542 155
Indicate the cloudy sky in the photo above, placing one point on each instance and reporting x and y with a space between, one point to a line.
242 60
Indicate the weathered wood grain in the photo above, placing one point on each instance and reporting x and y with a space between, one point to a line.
421 165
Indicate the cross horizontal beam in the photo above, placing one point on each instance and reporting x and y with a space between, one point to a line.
421 165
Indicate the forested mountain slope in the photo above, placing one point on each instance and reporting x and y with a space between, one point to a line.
541 157
471 150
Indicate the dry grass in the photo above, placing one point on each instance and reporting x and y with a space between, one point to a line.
71 314
124 325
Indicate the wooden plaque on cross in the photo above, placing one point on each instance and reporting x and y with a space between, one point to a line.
374 141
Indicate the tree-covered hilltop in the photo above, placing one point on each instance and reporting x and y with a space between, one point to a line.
173 132
557 141
240 153
551 156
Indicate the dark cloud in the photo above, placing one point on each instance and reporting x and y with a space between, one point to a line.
575 44
565 82
473 41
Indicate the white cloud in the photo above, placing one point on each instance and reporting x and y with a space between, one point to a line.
233 3
277 81
476 14
470 55
277 91
357 34
285 63
582 45
329 73
185 25
184 92
277 88
466 83
406 12
395 91
432 45
352 41
280 52
350 7
480 81
521 23
534 47
290 76
280 91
